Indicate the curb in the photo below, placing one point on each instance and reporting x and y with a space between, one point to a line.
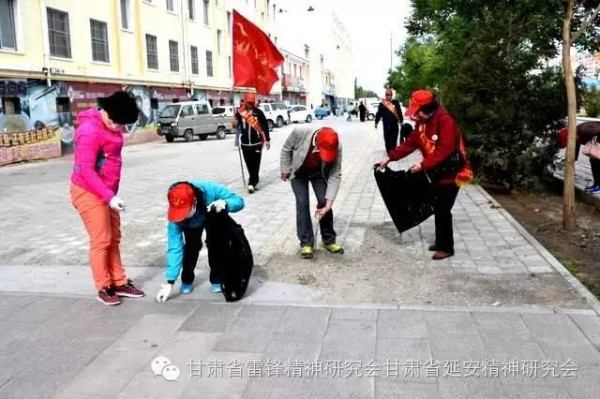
572 280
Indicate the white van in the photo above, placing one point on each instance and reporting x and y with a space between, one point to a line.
188 119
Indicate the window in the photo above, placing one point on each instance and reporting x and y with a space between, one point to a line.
171 5
295 70
58 33
306 51
229 66
194 56
174 55
152 52
206 11
219 36
188 110
209 64
229 22
202 109
99 34
7 24
11 106
126 14
192 9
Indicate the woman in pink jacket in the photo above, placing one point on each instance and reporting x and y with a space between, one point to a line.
94 186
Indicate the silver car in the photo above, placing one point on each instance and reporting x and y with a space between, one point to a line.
189 119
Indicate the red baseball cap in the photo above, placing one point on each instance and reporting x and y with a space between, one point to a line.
328 143
250 98
417 100
181 200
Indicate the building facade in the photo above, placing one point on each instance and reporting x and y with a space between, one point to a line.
58 56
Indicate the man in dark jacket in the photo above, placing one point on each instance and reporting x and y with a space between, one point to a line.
254 134
389 110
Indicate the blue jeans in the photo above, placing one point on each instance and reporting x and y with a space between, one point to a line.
304 227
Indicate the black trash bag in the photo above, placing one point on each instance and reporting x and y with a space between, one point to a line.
229 253
407 196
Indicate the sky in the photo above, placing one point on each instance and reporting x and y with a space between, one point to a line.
371 23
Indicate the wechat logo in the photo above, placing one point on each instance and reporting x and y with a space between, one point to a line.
163 366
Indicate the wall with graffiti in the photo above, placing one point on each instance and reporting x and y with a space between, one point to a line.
38 121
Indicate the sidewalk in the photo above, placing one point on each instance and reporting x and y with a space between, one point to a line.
376 322
57 347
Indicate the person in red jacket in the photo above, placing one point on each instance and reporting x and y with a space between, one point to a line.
437 137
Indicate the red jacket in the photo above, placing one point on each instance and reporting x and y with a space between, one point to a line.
434 149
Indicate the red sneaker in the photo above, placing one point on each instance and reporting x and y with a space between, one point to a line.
108 297
129 291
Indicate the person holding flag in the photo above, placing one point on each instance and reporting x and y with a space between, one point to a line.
254 135
389 110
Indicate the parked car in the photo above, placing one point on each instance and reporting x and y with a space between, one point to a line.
299 113
276 114
372 110
189 119
321 112
224 111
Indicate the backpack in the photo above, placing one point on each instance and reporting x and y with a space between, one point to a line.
229 253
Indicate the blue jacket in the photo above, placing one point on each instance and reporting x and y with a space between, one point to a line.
212 192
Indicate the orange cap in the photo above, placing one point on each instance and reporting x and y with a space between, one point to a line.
181 201
327 141
417 100
250 98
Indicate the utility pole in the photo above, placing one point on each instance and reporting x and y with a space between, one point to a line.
391 52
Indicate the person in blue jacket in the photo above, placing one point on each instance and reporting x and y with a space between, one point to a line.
189 202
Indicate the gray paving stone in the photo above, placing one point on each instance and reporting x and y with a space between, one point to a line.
451 324
386 388
472 388
261 320
349 340
38 311
401 324
108 373
535 391
353 314
590 326
502 327
211 318
186 350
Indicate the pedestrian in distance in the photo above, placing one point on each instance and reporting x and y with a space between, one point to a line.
189 202
254 136
444 161
362 111
95 182
389 111
315 158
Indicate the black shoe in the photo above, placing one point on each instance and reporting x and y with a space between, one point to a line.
433 248
439 255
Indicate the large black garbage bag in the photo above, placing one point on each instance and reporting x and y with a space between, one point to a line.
407 196
230 253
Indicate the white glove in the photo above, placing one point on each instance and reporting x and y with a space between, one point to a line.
164 292
219 205
117 204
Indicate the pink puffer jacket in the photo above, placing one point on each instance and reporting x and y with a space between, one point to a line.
97 164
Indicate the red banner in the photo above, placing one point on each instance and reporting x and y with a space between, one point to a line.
255 57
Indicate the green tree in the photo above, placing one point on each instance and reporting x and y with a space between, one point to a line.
359 92
488 63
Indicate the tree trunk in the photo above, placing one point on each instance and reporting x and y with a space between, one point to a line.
569 183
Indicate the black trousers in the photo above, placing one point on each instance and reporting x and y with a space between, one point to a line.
252 157
445 196
304 227
595 165
191 251
390 136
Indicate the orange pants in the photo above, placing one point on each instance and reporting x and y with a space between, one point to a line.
104 228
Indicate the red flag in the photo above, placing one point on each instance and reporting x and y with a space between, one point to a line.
255 57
